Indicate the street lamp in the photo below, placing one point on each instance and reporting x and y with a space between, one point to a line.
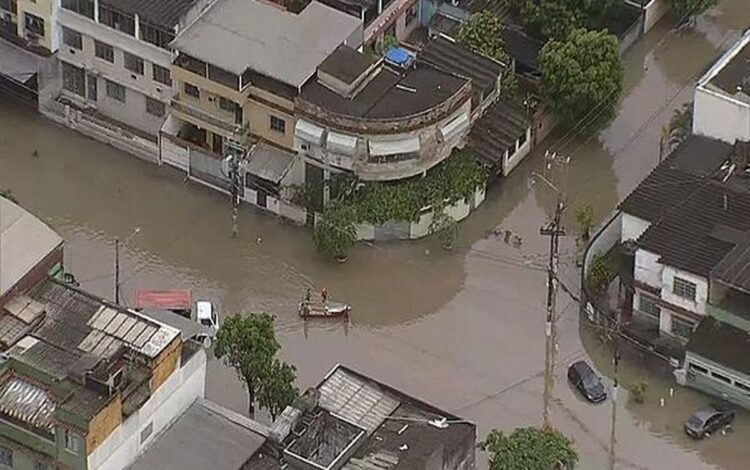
117 261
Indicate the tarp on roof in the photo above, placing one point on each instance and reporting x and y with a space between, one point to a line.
178 299
394 147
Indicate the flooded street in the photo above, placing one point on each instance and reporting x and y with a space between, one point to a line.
463 330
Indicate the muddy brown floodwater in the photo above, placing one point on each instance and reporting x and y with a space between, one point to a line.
463 330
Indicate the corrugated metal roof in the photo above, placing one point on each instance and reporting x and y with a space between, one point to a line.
11 329
27 403
356 400
269 163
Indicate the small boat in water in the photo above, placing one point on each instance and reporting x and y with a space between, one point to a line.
326 310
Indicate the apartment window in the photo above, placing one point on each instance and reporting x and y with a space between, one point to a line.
147 431
104 51
650 308
722 378
116 91
697 368
39 465
227 105
683 288
742 386
72 441
278 124
34 25
72 38
134 63
162 75
6 457
91 87
155 107
117 20
9 5
155 35
82 7
412 13
73 78
192 90
681 327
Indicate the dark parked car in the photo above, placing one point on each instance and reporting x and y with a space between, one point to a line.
583 377
707 420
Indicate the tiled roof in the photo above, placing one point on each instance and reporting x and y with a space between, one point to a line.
734 269
675 178
457 59
721 343
496 131
685 238
521 47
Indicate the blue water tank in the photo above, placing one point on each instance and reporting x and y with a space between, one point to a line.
399 57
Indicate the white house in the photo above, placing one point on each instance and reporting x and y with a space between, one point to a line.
722 97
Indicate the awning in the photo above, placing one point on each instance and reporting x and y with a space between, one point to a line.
309 132
18 64
269 163
341 143
394 147
455 127
178 299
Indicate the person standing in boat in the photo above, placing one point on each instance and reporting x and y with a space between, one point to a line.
324 295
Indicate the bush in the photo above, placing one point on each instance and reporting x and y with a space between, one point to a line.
638 390
585 219
600 274
335 233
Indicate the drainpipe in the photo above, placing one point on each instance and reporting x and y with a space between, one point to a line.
96 10
137 27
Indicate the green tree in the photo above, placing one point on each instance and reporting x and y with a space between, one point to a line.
278 391
680 125
335 233
481 32
688 10
582 76
530 449
585 219
248 344
556 19
638 390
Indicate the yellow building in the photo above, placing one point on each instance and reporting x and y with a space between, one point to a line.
32 21
239 69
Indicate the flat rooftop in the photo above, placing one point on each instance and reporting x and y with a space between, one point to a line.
239 34
165 13
731 73
389 94
721 343
205 436
24 242
346 64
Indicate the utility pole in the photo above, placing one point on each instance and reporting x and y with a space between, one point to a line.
234 164
553 230
615 385
117 270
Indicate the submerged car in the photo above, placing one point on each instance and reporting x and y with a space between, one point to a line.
583 377
707 420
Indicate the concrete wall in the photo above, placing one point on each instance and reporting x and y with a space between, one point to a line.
720 116
603 240
708 384
647 269
653 11
181 389
420 228
632 227
632 35
701 291
511 161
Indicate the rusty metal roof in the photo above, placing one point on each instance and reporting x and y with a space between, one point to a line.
27 403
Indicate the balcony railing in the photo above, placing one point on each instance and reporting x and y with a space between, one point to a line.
227 125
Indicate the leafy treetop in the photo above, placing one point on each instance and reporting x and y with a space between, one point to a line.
687 10
530 449
582 76
555 19
481 32
248 344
